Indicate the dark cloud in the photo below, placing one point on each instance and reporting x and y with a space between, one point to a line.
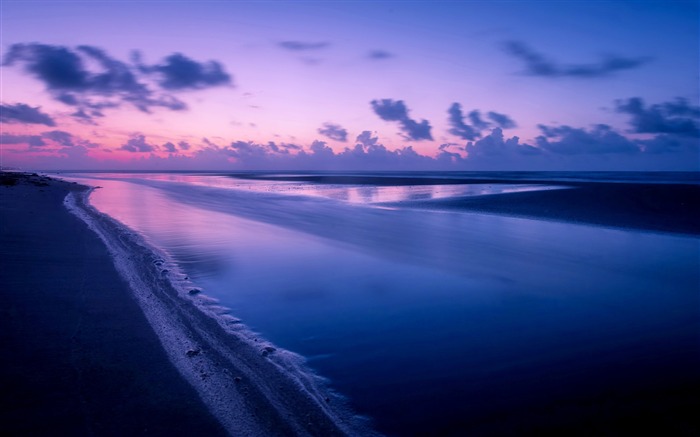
473 130
183 145
319 148
282 148
396 110
89 79
334 132
537 64
378 55
299 46
495 144
64 139
65 74
448 146
367 154
22 113
178 72
170 147
58 67
137 143
366 140
677 117
502 120
61 137
87 116
251 152
68 99
670 144
476 120
457 125
601 139
31 140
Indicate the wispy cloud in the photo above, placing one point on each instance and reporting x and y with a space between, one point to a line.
300 46
30 140
537 64
379 55
25 114
334 132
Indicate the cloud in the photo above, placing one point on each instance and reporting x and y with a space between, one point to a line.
601 139
379 55
138 144
458 127
22 113
366 140
473 130
367 154
57 137
61 137
334 132
87 116
670 144
537 64
502 120
249 152
178 72
170 147
495 144
396 110
477 122
183 145
87 78
67 77
677 117
299 46
31 140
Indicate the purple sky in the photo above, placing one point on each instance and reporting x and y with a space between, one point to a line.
357 85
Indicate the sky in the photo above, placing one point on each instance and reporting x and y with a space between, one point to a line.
350 85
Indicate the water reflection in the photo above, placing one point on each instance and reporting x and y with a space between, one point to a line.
345 192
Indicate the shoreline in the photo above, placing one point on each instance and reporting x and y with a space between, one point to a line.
250 387
81 358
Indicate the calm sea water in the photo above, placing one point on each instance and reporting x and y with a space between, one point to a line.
438 322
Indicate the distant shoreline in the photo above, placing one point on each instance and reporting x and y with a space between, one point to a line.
673 208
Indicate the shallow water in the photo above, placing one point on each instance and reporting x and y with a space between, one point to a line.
434 322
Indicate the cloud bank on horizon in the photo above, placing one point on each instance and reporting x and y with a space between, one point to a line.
86 94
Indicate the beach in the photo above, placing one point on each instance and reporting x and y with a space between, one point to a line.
79 355
84 355
455 323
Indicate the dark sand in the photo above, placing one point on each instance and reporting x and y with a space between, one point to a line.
79 357
673 208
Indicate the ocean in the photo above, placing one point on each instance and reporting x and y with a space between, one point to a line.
433 321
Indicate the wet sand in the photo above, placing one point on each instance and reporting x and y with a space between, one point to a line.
79 357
